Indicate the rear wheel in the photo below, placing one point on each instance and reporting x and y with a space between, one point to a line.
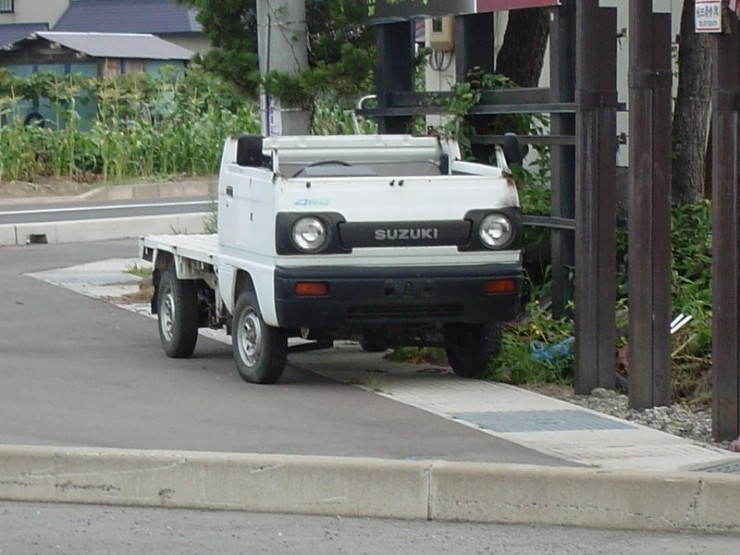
259 350
372 342
177 312
470 347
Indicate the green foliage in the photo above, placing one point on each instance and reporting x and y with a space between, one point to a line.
331 117
692 294
231 28
537 330
144 126
467 94
341 51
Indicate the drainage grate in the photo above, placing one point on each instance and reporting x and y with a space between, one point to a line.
541 421
732 467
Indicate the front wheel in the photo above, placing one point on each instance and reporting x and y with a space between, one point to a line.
470 347
259 350
177 313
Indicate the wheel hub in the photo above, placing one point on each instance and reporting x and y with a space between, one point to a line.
250 338
167 312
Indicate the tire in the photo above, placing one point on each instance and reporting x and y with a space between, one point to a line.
259 350
371 342
470 347
177 312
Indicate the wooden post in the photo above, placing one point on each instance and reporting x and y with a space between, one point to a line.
725 237
596 150
563 157
395 71
474 48
649 206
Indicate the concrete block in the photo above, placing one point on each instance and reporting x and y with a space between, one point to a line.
8 235
105 229
118 192
40 232
584 497
262 483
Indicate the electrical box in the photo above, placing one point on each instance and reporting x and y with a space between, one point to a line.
441 33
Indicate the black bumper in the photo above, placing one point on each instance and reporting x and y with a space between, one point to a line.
368 296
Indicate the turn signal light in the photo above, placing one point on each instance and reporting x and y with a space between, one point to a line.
311 289
500 286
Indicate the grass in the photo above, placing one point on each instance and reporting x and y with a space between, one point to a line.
376 381
139 271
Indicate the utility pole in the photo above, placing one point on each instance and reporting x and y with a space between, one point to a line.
282 39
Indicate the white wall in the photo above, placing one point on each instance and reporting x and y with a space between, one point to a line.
36 11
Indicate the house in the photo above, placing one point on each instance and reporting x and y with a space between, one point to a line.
163 18
91 54
13 32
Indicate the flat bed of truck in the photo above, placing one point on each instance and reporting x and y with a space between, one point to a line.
201 247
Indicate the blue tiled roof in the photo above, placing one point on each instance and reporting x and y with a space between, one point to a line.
13 32
128 16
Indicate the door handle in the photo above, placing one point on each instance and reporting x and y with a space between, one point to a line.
229 191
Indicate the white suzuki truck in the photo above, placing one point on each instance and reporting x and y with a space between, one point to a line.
389 240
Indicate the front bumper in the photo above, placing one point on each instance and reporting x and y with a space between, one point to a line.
361 296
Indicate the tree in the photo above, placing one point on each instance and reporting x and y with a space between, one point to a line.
691 112
231 28
340 48
522 53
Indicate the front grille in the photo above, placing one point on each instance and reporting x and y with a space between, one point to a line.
365 313
404 234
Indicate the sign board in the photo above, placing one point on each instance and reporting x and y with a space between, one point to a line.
708 16
387 11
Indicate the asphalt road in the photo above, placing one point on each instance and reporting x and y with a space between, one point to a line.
88 210
28 528
81 372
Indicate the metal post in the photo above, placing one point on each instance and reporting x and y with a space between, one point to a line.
649 206
282 39
596 122
725 256
563 157
395 71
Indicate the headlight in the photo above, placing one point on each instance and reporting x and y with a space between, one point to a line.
309 234
496 231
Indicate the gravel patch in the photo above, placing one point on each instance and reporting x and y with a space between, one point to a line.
693 423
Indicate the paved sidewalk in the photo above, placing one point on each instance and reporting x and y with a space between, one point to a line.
535 421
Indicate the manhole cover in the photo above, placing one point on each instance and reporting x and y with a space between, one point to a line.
541 421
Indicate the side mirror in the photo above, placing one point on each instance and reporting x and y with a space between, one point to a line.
512 150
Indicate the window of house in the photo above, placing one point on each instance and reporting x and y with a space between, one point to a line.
7 6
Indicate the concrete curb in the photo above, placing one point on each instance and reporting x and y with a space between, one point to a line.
99 229
357 487
168 189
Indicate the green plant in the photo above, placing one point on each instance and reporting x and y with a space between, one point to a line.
467 94
143 126
418 355
137 270
375 381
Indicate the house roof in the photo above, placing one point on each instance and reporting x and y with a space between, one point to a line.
13 32
128 16
116 45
